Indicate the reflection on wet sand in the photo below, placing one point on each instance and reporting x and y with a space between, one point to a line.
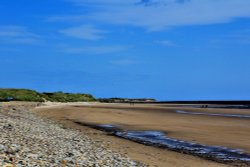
213 114
159 139
161 123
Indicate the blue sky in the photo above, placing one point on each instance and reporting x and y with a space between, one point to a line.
164 49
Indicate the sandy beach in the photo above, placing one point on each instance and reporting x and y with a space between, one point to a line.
225 131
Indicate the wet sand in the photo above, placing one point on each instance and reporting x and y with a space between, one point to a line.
232 132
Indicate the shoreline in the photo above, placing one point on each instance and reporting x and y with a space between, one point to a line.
160 140
165 119
133 152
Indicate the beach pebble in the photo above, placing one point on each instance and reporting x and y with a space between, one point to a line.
8 165
8 126
2 148
29 140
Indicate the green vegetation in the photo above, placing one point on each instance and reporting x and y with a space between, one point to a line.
20 95
68 97
31 95
126 100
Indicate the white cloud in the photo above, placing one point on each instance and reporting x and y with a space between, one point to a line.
101 2
6 60
160 14
17 34
94 50
167 43
232 38
14 31
123 62
86 32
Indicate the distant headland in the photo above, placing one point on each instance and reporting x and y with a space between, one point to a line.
35 96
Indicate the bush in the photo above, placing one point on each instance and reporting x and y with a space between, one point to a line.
20 95
31 95
69 97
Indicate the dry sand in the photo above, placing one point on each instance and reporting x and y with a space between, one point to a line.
209 130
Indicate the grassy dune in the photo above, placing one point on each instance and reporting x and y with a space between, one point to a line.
31 95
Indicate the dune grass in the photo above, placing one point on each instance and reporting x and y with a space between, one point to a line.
31 95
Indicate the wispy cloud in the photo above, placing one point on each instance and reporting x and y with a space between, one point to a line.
101 2
86 32
232 38
6 60
240 37
17 34
167 43
161 14
123 62
94 50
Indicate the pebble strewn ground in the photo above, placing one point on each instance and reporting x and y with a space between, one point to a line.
28 140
